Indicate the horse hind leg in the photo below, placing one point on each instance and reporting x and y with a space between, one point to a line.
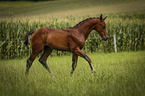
30 61
35 51
43 58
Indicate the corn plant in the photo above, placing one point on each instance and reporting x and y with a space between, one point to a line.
130 35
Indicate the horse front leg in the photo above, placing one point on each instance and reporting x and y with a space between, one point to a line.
74 62
87 58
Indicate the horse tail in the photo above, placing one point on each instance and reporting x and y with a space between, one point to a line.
27 36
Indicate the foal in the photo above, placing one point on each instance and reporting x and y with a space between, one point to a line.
72 40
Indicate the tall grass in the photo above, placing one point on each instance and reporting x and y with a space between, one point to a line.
119 74
129 30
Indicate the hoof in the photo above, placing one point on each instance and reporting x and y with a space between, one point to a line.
26 73
93 71
52 75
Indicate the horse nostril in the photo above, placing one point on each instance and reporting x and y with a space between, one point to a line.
105 38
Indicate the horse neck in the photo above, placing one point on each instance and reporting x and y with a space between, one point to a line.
86 27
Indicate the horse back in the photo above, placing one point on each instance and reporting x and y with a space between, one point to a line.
53 38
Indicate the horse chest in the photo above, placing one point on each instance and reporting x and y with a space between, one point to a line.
76 41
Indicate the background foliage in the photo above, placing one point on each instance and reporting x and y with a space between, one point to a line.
17 18
129 30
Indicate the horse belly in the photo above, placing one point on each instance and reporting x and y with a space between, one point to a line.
58 42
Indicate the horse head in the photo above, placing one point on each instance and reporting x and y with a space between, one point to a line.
100 27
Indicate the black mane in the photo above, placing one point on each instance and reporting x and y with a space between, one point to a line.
86 20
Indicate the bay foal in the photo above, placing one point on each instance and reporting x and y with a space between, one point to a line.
72 40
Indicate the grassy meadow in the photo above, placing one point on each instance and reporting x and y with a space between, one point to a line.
117 74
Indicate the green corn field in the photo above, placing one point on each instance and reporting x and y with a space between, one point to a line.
128 28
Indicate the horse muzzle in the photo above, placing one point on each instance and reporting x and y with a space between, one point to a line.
105 38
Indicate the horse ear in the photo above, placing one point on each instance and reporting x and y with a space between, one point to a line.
101 17
105 18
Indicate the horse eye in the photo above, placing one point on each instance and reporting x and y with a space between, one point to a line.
103 27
